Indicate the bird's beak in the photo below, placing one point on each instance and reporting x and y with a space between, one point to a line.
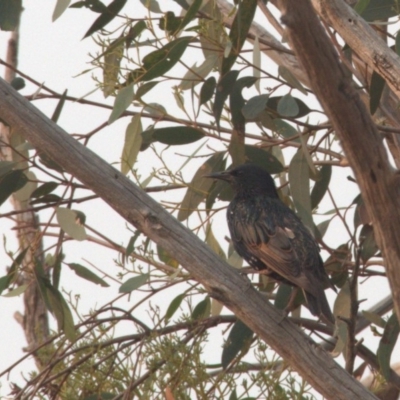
223 176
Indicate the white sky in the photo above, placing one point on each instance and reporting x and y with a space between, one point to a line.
53 53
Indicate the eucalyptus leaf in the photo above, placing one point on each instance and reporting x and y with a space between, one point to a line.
67 220
134 283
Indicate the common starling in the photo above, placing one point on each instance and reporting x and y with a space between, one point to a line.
272 239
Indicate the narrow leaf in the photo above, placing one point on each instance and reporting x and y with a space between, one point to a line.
386 345
190 14
291 79
239 340
44 189
207 90
213 243
375 92
16 292
106 16
132 144
196 74
177 135
224 88
299 180
134 283
123 100
161 61
240 27
59 9
173 306
85 273
202 309
321 185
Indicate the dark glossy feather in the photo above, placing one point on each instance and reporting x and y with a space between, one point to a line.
269 236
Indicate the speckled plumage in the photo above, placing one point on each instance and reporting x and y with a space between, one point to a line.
269 236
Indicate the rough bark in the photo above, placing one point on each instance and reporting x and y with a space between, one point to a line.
360 140
34 322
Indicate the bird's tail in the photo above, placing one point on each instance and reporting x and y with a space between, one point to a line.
319 306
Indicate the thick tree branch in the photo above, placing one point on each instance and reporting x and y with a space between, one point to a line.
352 122
221 281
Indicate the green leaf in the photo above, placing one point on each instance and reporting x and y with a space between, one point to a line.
123 100
321 185
10 11
16 292
60 105
255 106
131 244
240 27
224 88
368 244
152 6
61 311
18 83
59 9
386 345
207 90
264 159
85 273
25 192
143 89
4 282
343 302
286 130
44 189
287 106
202 309
236 102
374 318
239 340
170 23
190 14
282 296
274 101
132 144
166 257
322 227
200 186
161 61
375 92
213 243
177 135
299 179
6 166
67 220
10 183
134 32
380 10
106 16
361 6
134 283
173 306
47 198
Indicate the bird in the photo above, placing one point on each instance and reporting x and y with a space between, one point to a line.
272 239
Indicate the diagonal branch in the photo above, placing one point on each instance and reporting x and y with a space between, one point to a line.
221 281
